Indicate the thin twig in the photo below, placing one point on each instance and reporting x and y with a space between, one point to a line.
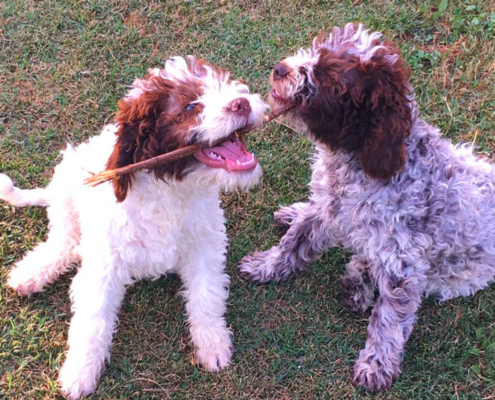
450 111
179 154
287 126
476 132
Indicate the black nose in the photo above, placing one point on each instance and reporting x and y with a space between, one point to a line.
240 106
279 71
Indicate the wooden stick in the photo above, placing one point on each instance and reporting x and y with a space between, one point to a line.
179 154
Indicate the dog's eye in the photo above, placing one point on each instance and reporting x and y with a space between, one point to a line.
302 70
190 106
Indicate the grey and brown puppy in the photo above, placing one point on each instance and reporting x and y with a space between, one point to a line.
417 211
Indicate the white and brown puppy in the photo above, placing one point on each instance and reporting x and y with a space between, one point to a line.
416 211
151 223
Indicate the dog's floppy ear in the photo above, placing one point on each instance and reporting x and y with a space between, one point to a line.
136 119
387 113
363 107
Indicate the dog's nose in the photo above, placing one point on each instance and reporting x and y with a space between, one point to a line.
240 106
280 71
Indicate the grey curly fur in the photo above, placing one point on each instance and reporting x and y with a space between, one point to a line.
428 230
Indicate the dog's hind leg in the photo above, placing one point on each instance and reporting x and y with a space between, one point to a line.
49 259
21 197
358 288
390 326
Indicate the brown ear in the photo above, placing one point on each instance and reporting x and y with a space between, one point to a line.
385 155
383 152
136 121
363 108
122 155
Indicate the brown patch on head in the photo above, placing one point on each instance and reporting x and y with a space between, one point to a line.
152 124
363 108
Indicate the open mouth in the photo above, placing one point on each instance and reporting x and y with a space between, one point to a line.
277 96
231 156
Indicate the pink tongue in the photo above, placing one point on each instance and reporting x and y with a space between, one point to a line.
231 151
231 156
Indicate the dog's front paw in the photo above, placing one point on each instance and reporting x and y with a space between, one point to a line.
266 266
373 376
214 358
285 216
261 267
216 354
24 282
76 380
252 267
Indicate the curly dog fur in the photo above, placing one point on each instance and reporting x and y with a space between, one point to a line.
165 220
417 211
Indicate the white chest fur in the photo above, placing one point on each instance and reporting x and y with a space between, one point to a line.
156 228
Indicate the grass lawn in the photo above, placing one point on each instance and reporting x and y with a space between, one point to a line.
63 67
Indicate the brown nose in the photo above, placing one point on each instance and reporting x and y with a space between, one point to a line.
280 71
240 107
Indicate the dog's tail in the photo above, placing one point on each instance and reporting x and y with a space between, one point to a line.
21 198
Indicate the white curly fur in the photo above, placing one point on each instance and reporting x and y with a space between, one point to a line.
428 230
161 227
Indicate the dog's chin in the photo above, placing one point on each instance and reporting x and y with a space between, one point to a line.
277 98
273 103
228 181
292 118
244 180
